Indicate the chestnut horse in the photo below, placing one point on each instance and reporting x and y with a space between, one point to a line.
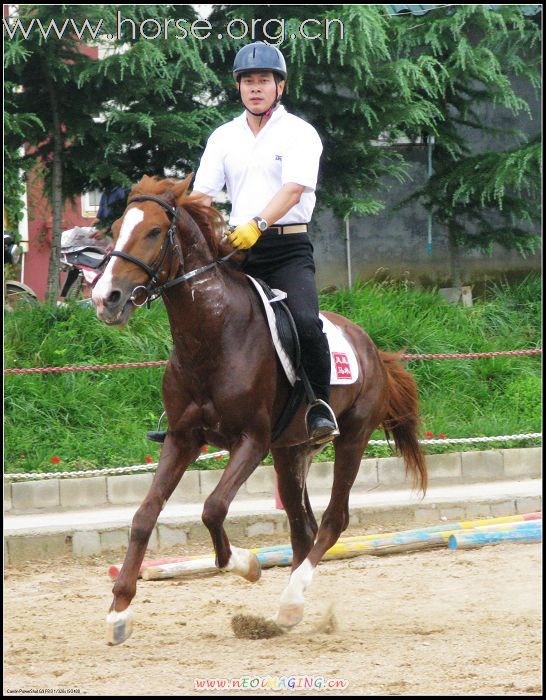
224 386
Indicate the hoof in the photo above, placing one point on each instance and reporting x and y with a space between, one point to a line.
119 626
244 563
254 569
290 615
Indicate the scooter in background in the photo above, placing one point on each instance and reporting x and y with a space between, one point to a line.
81 257
16 293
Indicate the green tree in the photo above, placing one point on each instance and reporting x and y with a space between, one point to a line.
101 123
489 194
15 127
149 105
40 69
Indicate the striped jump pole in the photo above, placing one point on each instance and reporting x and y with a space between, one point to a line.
433 529
527 532
462 525
398 542
382 543
206 565
114 570
414 540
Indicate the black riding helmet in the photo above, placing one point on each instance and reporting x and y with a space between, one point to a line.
260 57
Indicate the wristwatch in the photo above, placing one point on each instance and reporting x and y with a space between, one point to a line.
262 223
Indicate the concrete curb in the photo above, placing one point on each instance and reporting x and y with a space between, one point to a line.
102 491
463 486
83 533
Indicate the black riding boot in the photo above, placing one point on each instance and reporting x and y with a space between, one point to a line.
320 419
157 435
321 423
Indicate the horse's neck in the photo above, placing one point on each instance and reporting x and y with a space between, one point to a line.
202 308
195 249
197 306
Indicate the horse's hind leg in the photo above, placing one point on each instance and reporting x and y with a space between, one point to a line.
291 466
349 448
172 465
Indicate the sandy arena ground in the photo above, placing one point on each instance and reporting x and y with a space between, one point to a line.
433 622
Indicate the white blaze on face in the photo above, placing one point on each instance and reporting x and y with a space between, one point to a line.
103 287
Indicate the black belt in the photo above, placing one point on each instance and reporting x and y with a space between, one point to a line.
287 229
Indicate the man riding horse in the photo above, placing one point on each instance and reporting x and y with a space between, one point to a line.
223 385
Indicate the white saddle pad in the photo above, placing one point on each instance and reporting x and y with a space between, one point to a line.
344 365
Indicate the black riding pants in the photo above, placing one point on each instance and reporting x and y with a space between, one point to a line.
286 263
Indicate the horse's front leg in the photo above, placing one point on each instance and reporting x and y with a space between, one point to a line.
244 459
175 457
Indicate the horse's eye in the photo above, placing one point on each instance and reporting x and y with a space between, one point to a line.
153 233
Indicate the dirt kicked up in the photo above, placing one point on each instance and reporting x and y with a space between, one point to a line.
432 622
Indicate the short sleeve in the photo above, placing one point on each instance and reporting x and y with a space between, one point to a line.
302 158
210 177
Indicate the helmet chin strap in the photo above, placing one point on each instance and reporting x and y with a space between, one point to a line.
268 111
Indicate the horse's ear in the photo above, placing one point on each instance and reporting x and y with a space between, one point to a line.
180 190
143 185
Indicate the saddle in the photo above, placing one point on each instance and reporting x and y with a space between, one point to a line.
286 342
290 344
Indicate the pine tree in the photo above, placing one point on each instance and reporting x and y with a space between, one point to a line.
95 124
492 196
149 106
390 77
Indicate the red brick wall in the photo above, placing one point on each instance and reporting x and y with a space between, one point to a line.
40 226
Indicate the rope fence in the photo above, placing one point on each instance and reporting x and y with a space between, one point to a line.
162 363
222 453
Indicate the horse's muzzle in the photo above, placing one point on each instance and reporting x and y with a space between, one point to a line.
113 308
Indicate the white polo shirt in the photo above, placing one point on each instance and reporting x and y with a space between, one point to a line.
254 168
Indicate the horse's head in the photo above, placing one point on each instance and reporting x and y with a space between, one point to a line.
147 250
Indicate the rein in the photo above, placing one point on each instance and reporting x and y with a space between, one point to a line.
153 289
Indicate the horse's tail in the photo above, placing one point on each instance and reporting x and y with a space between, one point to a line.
402 419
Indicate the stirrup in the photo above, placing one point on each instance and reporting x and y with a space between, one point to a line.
328 433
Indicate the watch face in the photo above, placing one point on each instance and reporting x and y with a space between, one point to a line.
262 223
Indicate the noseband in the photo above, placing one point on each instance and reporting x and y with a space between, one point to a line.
153 289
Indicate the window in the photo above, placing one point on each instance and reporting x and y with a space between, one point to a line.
90 203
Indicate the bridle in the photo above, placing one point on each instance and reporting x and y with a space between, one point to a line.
153 289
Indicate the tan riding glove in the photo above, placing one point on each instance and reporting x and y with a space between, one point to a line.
245 235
